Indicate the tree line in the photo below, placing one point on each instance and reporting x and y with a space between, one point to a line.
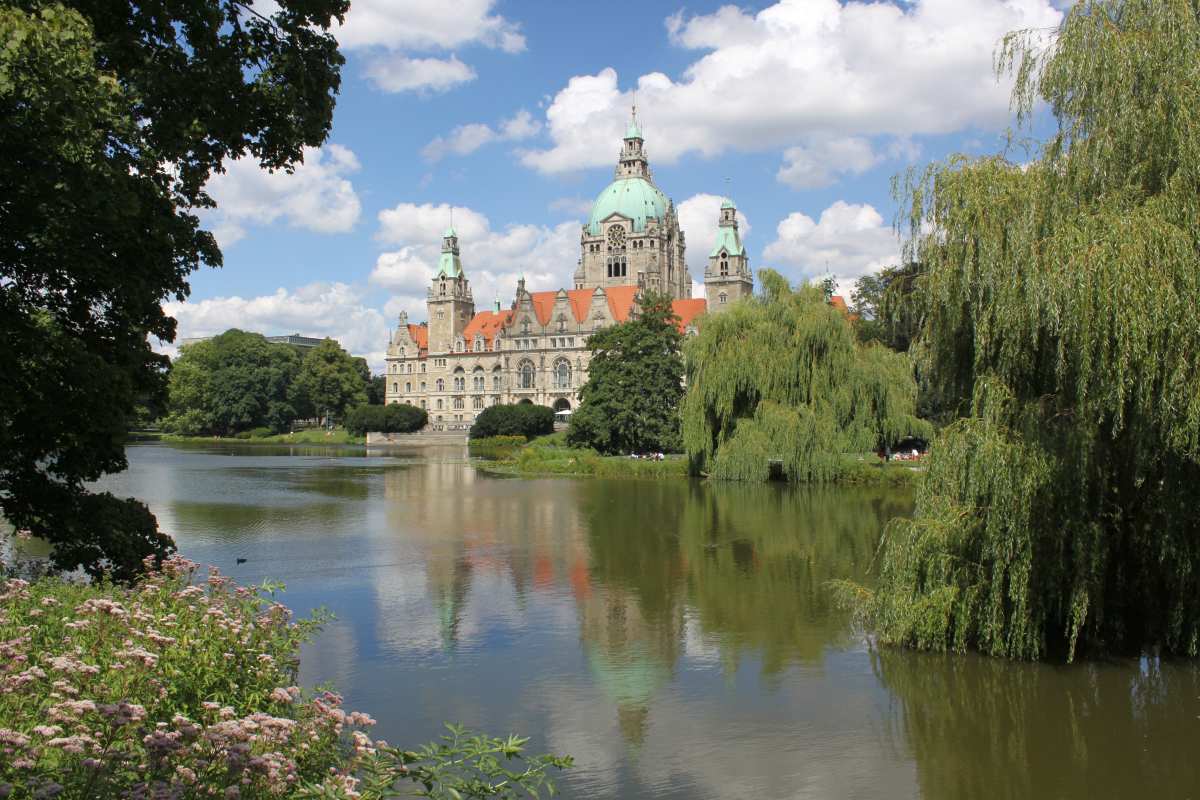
239 381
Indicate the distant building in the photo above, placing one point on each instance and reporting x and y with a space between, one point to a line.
535 351
295 340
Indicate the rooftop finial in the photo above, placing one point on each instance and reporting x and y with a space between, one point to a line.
633 130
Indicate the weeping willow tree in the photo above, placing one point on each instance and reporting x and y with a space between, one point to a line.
781 378
1061 303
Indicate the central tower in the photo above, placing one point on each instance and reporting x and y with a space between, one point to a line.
632 237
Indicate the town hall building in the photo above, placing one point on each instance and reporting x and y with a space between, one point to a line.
463 360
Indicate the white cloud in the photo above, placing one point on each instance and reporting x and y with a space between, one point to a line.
399 73
492 259
428 25
797 69
320 309
316 196
848 240
466 139
698 217
822 159
389 32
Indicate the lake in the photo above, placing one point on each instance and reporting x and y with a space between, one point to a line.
676 638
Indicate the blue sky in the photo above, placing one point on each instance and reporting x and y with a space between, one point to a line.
511 113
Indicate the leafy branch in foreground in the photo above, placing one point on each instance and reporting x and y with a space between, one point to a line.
462 766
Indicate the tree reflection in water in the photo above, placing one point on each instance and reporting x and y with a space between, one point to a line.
748 562
983 727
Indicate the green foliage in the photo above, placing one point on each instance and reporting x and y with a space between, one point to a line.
392 418
330 381
112 117
630 403
376 390
519 419
1059 303
461 766
178 687
231 383
540 457
496 447
779 378
881 308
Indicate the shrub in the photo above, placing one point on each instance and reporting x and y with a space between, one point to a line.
521 419
175 689
394 418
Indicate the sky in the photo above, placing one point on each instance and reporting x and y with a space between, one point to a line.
508 116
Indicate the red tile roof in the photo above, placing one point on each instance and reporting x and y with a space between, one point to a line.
580 301
486 324
620 301
838 302
688 310
420 335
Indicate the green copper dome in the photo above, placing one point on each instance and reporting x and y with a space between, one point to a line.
635 198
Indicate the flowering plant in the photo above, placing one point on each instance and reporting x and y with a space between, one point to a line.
177 688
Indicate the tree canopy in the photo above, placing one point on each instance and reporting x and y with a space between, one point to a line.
1059 301
330 381
780 377
630 403
113 118
231 383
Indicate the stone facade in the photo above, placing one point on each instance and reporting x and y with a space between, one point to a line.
462 360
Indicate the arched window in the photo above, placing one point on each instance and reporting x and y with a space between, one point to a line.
478 345
525 375
722 297
477 403
562 374
395 387
422 386
524 326
724 267
562 322
458 403
497 381
422 367
477 380
441 387
408 386
439 404
460 380
408 368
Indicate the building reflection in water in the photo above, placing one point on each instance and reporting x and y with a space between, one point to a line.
655 570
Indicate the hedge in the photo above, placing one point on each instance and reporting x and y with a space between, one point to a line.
521 419
393 418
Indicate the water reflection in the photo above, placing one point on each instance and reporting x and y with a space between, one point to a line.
674 636
981 727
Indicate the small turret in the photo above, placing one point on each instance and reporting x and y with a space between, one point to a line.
449 300
727 278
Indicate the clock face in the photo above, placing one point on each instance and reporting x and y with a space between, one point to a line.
616 236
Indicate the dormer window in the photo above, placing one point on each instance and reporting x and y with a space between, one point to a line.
524 326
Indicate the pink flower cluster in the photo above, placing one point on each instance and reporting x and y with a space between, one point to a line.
168 689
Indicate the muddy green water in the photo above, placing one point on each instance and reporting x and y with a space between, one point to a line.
675 638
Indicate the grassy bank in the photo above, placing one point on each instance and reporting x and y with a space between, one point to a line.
550 455
307 436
